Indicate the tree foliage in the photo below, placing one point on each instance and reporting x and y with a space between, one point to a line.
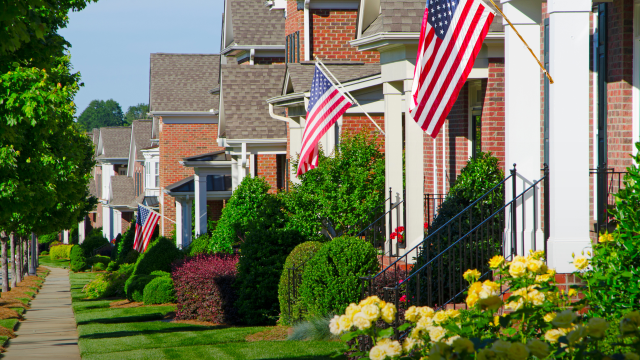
136 112
101 113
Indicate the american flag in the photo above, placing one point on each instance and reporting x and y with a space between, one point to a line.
326 105
145 225
451 37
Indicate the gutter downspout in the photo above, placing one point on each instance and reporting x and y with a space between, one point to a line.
244 155
277 117
252 55
307 35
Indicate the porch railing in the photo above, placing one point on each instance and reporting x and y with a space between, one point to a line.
377 233
432 203
608 182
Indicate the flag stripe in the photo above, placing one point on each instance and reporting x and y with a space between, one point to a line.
318 128
316 135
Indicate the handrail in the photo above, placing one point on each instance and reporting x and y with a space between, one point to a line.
446 224
393 207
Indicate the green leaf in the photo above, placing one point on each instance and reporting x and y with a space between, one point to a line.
386 333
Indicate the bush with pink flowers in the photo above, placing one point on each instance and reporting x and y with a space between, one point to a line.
204 288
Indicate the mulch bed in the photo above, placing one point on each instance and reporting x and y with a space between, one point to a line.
276 333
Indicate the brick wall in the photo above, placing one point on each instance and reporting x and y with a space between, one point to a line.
295 22
214 209
493 111
267 168
178 141
126 221
353 124
96 217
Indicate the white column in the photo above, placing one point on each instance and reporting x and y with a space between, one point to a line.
393 93
200 185
183 223
65 236
522 118
414 168
568 130
81 226
107 173
179 224
106 222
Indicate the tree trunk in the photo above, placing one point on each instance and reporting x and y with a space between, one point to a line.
13 259
5 266
19 261
25 262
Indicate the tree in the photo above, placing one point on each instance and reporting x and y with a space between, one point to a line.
136 112
101 113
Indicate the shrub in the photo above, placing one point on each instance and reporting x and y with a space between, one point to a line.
48 238
98 259
134 286
200 245
99 267
263 255
160 273
93 242
109 284
78 259
44 253
159 291
125 245
299 256
60 252
54 243
131 258
112 266
331 279
204 288
159 256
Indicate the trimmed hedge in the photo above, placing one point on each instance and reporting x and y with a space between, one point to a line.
99 267
159 291
131 258
158 256
204 288
134 287
300 254
331 279
78 259
98 259
48 238
199 245
60 252
94 241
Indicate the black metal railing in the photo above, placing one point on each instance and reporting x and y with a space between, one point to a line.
608 182
294 313
466 241
376 232
432 203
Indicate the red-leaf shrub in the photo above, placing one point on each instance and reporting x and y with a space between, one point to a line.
204 288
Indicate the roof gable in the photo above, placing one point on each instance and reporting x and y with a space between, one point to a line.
300 75
253 23
114 143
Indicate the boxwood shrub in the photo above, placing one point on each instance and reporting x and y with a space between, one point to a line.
60 252
159 291
331 279
94 241
134 287
78 259
204 288
299 256
158 256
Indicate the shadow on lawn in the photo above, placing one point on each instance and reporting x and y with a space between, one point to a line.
177 329
124 319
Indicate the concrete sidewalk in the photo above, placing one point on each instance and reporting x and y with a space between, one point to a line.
49 329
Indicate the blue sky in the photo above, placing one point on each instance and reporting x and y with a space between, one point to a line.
112 39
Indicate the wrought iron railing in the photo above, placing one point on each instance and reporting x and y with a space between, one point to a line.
608 182
432 203
377 233
294 280
466 241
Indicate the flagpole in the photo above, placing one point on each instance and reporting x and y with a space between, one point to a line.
148 208
348 93
525 43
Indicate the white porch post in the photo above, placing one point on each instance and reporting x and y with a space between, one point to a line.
183 222
106 222
414 158
81 228
65 236
568 130
393 92
179 224
200 185
522 117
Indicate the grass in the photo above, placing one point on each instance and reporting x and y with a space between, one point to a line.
140 333
45 260
9 323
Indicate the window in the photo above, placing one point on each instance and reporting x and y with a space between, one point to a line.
476 99
152 174
281 170
157 174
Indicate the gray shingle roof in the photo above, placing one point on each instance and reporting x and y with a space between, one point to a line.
115 142
406 16
141 136
92 189
181 82
254 24
301 74
123 190
246 113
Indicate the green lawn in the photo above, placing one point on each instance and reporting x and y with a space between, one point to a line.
9 323
140 333
59 263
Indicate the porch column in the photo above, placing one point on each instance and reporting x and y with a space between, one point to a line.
200 186
393 92
81 229
65 237
414 158
522 118
568 130
183 223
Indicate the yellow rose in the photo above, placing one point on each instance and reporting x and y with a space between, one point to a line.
486 354
572 292
519 258
418 333
543 278
471 275
334 326
491 303
515 305
631 356
451 313
538 348
552 335
424 322
361 321
492 287
412 314
389 313
564 319
496 261
496 321
440 317
461 345
409 343
377 353
580 262
596 327
517 269
452 339
501 347
606 237
518 351
371 312
352 309
534 265
345 323
539 254
393 349
426 311
550 316
536 297
370 300
472 299
575 335
437 333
